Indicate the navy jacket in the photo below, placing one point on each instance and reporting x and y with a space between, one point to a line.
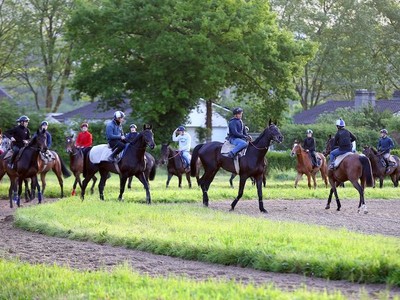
113 131
385 144
20 133
236 129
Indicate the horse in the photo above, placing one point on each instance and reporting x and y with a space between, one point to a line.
27 166
304 165
264 180
76 163
149 172
252 164
175 165
353 168
132 163
379 170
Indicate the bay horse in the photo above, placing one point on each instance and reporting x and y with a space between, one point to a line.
76 163
27 166
252 164
175 165
131 164
304 165
379 170
149 172
354 168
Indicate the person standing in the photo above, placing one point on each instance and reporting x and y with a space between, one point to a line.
237 135
385 144
115 135
309 146
344 140
19 136
84 138
184 140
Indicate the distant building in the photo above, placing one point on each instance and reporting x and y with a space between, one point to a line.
362 98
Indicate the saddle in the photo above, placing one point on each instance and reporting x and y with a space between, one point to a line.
391 162
341 157
226 148
101 153
47 156
317 158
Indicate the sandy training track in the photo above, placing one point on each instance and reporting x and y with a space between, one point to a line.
383 218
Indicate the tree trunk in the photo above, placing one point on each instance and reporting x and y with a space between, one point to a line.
209 120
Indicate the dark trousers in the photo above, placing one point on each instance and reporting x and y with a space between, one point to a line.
117 146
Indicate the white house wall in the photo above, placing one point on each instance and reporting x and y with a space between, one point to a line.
218 134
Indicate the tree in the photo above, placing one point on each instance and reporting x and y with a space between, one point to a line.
165 56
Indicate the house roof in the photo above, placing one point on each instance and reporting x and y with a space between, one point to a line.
92 111
310 116
3 94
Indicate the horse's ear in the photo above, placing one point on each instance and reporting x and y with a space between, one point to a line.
296 141
330 136
269 122
147 126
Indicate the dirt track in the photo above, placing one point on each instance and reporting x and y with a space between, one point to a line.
383 218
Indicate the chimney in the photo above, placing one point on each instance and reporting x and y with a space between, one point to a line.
396 95
363 98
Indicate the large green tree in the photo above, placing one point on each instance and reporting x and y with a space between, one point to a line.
165 55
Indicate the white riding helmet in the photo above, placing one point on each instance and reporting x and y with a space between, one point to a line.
340 123
119 114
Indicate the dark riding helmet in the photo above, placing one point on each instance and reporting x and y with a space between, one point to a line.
23 119
181 128
44 123
384 131
133 126
237 110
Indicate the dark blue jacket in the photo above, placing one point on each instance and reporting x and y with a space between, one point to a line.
131 136
344 139
236 129
113 131
385 144
309 144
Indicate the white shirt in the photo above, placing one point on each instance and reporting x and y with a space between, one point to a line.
184 141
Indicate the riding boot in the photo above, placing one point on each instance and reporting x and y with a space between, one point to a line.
331 166
12 164
113 156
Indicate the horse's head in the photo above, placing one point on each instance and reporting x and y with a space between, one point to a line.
328 145
164 153
69 143
275 132
295 149
369 151
39 140
148 136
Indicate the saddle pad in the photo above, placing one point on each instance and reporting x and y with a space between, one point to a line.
47 156
227 147
340 158
99 153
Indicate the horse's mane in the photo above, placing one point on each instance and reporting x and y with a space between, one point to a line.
261 136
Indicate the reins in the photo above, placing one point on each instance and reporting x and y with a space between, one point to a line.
258 148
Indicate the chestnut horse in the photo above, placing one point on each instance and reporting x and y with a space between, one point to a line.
379 170
304 165
355 168
76 163
252 164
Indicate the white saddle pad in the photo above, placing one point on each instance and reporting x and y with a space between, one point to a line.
340 158
100 153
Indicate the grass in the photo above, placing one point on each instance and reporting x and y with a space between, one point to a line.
183 230
23 281
280 185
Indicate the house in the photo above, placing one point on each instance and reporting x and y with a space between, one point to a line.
196 119
361 98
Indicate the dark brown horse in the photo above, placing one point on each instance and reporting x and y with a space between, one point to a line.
304 165
150 171
252 164
354 168
175 165
76 163
131 164
379 169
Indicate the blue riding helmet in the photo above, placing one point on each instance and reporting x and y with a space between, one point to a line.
44 123
384 131
340 123
237 110
181 128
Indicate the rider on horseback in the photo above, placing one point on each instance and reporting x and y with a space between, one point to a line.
84 138
115 135
185 140
385 144
343 139
20 136
237 135
132 134
309 146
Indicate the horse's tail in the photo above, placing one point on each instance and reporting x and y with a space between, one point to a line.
367 170
64 169
193 161
152 174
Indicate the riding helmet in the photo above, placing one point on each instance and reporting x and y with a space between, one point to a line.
84 124
132 126
44 123
384 131
119 114
340 123
23 119
237 110
181 128
309 131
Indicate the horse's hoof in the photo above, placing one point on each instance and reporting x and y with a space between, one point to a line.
365 212
338 209
327 207
264 211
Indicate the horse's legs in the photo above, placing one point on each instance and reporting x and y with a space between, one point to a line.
361 204
259 181
381 181
58 173
313 175
233 175
242 183
130 182
168 179
179 180
394 179
145 183
102 183
37 185
298 177
43 180
77 180
94 179
205 182
189 180
122 183
85 183
309 180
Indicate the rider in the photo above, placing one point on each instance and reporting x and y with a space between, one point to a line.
385 144
237 135
343 139
185 140
309 146
43 126
84 138
132 134
115 135
20 136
